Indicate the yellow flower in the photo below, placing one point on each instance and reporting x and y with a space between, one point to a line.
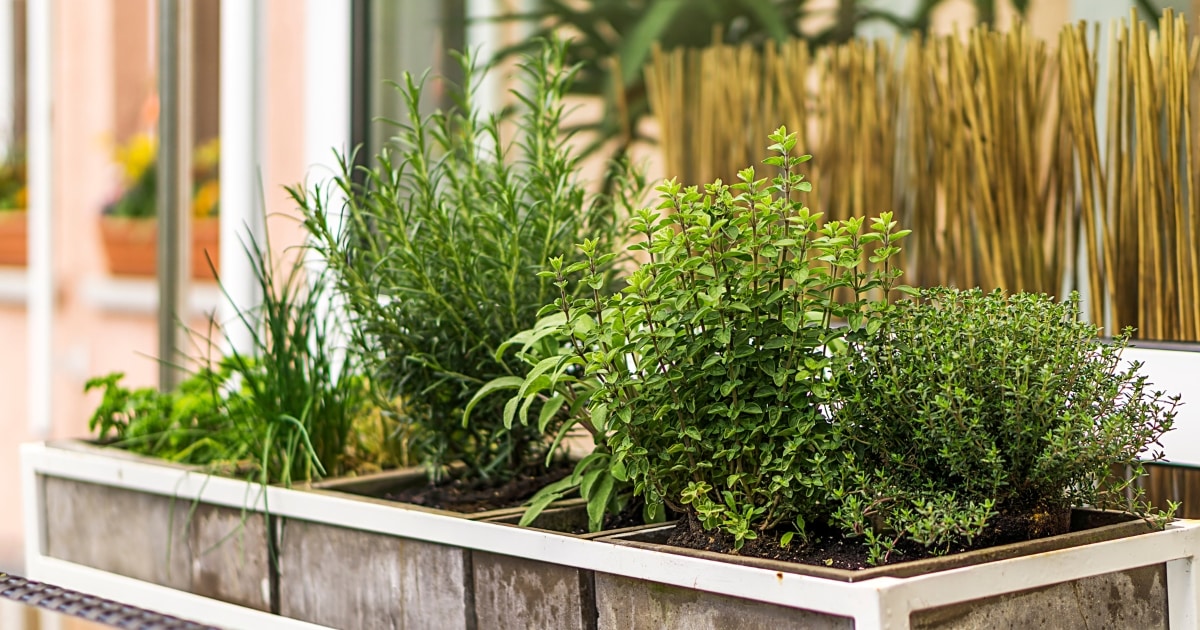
136 156
207 155
204 203
21 199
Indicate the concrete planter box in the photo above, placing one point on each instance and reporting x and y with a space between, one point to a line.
349 578
213 550
516 593
686 591
407 567
1127 598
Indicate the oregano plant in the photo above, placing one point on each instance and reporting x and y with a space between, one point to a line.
706 379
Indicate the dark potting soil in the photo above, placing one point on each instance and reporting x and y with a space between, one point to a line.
831 550
473 497
630 516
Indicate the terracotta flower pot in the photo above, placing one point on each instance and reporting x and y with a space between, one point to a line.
130 245
13 242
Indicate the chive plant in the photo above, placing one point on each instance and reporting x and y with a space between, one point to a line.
441 240
280 411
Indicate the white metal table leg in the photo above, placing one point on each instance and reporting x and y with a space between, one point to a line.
1183 589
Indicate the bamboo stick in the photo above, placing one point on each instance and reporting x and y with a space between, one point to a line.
988 146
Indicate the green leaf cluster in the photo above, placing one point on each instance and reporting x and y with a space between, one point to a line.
436 248
12 182
708 375
965 405
614 40
281 411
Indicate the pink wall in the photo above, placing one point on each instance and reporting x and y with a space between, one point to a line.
90 338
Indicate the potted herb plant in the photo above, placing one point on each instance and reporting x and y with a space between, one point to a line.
459 571
287 411
436 259
13 222
757 378
128 224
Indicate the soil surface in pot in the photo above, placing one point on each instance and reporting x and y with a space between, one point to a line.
472 497
832 550
631 516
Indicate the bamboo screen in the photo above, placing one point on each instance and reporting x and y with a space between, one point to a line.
994 148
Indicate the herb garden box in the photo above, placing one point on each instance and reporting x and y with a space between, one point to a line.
1149 577
347 577
213 548
1134 598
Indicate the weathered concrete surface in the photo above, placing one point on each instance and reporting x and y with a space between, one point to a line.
355 580
135 534
516 594
216 552
230 556
1130 599
629 604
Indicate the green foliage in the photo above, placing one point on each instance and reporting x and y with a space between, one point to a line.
555 379
193 425
438 251
13 194
711 367
614 39
140 200
281 412
967 405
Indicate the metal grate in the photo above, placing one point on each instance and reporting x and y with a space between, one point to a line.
95 609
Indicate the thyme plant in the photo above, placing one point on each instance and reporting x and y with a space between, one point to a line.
438 252
965 407
713 363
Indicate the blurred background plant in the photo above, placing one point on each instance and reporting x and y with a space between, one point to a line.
139 178
613 40
13 194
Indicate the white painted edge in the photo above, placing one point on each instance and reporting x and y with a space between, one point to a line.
326 130
14 283
160 599
7 75
139 296
873 602
39 142
242 214
1183 593
1178 541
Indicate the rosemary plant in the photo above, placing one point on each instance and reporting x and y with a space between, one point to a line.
438 253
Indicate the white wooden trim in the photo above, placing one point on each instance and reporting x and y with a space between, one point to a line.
326 130
876 603
39 142
242 214
160 599
1183 592
8 72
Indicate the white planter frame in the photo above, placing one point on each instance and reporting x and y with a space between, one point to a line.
883 603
